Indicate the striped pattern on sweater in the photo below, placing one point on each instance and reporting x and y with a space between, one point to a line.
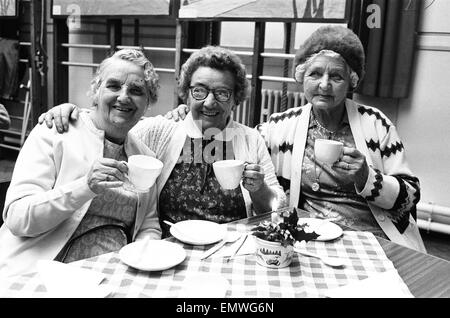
390 185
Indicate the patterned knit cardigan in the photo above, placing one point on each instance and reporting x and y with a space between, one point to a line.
391 190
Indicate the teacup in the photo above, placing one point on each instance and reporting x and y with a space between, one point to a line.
328 151
143 171
229 173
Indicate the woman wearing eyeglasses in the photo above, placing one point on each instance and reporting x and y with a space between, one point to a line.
212 83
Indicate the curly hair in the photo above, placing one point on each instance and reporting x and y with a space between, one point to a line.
136 57
217 58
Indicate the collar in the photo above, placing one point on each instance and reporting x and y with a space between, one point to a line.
193 130
313 124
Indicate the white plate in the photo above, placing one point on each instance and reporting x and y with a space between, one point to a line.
327 230
204 285
198 232
152 255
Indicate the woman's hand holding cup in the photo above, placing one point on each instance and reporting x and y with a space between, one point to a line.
106 173
353 163
253 177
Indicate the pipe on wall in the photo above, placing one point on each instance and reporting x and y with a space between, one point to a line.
433 217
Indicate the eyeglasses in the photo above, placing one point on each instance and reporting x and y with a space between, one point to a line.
220 94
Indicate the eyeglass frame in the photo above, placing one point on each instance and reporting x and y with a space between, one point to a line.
213 90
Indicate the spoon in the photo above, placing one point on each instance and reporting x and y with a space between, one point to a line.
229 238
330 261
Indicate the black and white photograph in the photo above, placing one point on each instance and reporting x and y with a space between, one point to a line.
211 156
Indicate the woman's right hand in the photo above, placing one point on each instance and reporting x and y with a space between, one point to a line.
106 173
61 115
178 113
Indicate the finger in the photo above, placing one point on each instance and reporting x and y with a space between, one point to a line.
254 167
41 119
169 115
48 119
175 116
111 165
352 152
58 121
75 114
186 111
113 184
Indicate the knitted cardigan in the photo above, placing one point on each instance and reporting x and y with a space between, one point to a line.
391 190
166 138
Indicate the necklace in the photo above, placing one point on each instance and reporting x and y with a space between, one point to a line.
316 184
323 128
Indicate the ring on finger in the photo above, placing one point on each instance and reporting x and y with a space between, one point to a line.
348 166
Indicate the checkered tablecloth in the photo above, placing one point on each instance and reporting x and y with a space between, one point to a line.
305 277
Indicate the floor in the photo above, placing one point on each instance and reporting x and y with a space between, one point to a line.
437 244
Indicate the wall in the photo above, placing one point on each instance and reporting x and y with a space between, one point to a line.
424 118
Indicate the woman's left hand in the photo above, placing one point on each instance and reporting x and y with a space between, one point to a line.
253 177
353 163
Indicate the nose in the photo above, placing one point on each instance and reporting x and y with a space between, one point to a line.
123 95
324 82
209 100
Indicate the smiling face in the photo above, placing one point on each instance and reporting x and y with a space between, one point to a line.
326 82
211 112
122 98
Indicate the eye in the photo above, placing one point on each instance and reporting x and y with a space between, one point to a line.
199 90
137 91
315 74
336 77
113 86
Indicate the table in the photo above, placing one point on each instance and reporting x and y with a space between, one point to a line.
425 275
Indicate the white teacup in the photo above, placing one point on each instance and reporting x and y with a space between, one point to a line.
328 151
143 171
229 173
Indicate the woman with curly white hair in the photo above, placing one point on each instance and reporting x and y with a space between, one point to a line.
66 200
213 84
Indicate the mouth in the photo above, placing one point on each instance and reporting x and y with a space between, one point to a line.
209 113
324 96
123 109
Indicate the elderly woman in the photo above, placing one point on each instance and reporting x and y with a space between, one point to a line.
371 187
213 83
66 200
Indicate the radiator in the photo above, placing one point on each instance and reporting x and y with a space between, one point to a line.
270 103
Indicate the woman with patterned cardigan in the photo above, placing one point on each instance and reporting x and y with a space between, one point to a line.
370 187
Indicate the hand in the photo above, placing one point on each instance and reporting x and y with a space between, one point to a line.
60 115
5 121
253 177
106 173
178 113
353 163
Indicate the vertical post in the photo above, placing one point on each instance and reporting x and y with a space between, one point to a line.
39 59
60 53
214 33
180 43
257 70
136 32
286 48
114 33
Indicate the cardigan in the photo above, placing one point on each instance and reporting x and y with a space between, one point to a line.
391 190
166 138
49 195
